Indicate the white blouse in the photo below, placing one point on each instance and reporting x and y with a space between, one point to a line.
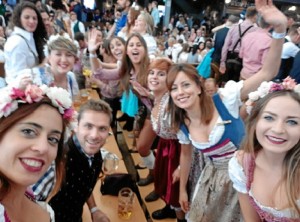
17 54
151 45
43 204
239 180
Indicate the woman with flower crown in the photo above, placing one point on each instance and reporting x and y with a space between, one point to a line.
32 126
213 126
266 171
61 54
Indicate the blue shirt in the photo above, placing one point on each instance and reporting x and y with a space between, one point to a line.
121 22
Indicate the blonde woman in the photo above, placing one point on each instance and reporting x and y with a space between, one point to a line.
144 25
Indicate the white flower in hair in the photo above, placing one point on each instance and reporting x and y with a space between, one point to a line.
59 98
268 87
264 88
253 96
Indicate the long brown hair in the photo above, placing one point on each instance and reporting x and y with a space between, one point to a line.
127 65
291 163
40 33
6 123
206 106
134 13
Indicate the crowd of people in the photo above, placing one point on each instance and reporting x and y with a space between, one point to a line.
203 97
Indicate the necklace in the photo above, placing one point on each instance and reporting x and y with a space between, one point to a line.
160 112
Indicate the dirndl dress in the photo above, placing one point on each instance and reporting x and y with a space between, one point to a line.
214 198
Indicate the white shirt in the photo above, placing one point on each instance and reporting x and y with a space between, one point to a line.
289 49
177 47
183 57
17 54
151 45
239 180
80 26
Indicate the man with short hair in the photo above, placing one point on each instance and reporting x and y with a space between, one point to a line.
155 16
254 49
292 17
83 164
211 86
121 15
76 25
77 8
230 45
219 37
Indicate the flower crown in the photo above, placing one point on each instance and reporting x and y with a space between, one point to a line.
268 87
11 97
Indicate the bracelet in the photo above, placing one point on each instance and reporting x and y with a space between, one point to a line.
92 55
94 209
276 35
116 20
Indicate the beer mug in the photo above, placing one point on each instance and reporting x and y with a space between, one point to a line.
110 163
125 203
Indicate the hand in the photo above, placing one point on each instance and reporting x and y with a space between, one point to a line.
222 70
93 44
176 175
24 78
24 81
140 89
97 81
183 200
271 14
99 216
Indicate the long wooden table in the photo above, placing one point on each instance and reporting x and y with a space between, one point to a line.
107 203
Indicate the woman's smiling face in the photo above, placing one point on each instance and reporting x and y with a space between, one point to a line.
185 92
135 50
278 127
30 145
157 80
117 48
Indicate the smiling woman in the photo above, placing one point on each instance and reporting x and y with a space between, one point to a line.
61 53
271 153
24 48
29 143
212 128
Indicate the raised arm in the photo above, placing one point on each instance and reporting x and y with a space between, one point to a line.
272 62
93 45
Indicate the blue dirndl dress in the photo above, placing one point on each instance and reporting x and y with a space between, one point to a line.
213 197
